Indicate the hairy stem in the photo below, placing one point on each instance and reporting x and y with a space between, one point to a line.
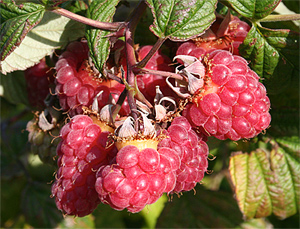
110 26
280 17
159 73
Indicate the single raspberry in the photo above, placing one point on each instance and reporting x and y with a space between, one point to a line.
140 173
81 152
139 177
232 103
77 84
192 151
39 79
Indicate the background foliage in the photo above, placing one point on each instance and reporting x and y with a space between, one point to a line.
251 184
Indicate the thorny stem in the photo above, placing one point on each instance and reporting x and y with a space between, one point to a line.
130 55
110 26
280 17
155 47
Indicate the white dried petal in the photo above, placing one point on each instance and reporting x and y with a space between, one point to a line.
196 68
95 106
149 129
127 129
105 113
186 59
194 83
160 112
181 91
158 95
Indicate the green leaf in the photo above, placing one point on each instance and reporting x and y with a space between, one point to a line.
53 32
201 209
266 182
98 41
39 209
17 21
181 20
13 88
273 55
252 9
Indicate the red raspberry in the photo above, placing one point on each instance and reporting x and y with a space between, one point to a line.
81 152
38 81
233 103
228 38
138 177
77 86
192 151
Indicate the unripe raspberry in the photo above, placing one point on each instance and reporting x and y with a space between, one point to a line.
43 142
81 152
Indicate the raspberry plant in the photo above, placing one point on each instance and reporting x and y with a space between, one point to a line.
183 113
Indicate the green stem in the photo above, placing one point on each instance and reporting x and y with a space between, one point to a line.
110 26
280 17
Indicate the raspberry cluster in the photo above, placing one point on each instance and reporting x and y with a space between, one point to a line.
147 139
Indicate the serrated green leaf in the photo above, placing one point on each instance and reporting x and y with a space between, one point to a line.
53 32
273 55
98 41
266 182
13 88
181 20
252 9
39 209
201 209
17 21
